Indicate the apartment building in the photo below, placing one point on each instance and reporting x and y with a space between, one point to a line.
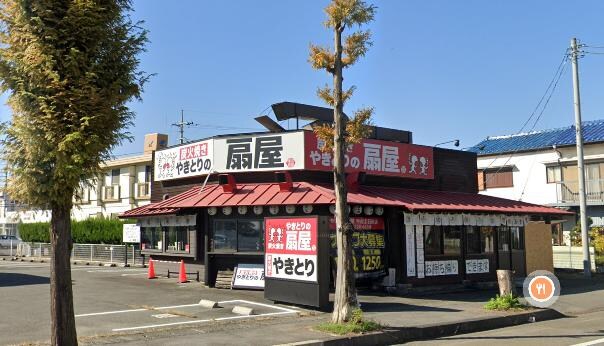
125 184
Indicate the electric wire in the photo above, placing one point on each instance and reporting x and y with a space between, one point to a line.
547 95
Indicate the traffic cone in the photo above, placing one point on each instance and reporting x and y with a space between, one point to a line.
151 273
182 274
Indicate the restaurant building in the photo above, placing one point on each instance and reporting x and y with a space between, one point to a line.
416 211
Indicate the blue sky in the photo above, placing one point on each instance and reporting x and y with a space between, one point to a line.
441 69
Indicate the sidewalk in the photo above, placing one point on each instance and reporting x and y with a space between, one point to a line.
410 318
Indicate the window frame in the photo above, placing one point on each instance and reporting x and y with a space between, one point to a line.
187 231
236 249
549 169
161 239
500 173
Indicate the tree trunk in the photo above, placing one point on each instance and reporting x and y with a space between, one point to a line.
345 296
61 295
505 279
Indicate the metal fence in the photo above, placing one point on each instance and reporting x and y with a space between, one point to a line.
118 254
571 257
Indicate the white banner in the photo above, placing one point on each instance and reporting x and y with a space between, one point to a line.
438 268
410 249
254 153
419 243
187 160
291 267
477 266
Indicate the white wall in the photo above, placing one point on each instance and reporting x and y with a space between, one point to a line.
93 206
529 177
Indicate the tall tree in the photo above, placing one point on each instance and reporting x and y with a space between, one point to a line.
69 68
342 14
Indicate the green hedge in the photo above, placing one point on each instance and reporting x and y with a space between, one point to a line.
90 231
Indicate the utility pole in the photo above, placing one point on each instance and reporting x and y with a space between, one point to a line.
181 126
580 166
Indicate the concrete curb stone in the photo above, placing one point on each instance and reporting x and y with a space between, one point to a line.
391 336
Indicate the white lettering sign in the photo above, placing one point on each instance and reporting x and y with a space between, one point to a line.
131 233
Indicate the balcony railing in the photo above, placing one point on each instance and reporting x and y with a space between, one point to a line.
142 190
111 193
568 191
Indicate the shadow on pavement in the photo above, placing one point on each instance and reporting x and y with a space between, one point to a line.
516 337
400 307
18 279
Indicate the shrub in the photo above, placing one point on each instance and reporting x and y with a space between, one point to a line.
506 302
356 325
89 231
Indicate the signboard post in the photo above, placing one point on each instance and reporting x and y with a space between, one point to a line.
131 233
296 263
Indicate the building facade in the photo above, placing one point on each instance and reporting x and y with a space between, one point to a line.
125 184
541 167
416 213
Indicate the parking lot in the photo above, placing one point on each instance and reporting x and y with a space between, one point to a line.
117 300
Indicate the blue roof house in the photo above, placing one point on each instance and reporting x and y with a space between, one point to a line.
541 167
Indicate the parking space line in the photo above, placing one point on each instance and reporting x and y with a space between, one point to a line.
110 312
200 321
135 310
259 304
158 325
589 343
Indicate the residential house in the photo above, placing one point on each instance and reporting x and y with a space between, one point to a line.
541 167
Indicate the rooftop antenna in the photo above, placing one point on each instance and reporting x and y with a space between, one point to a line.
181 126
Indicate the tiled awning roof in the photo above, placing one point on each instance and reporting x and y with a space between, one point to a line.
306 193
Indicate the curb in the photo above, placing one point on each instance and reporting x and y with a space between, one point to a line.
391 336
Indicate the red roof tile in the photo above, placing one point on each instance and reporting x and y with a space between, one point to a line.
307 193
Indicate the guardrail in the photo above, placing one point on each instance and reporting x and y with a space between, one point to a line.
117 254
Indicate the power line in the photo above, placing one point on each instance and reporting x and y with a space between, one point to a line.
549 92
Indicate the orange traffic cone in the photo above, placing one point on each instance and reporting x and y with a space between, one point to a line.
182 274
151 274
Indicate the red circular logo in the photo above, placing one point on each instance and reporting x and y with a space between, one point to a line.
290 162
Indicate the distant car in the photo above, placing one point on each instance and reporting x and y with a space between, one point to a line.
7 240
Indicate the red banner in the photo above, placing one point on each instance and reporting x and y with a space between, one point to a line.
374 157
291 248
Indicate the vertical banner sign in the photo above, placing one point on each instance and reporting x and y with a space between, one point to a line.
275 151
184 161
410 249
374 157
419 242
291 248
368 245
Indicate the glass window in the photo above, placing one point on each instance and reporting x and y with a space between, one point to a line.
147 174
432 240
487 239
115 176
517 238
224 237
151 238
554 174
250 235
177 238
473 245
504 239
452 240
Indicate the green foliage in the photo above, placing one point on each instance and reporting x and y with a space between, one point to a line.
575 232
90 231
343 14
356 325
502 303
69 69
